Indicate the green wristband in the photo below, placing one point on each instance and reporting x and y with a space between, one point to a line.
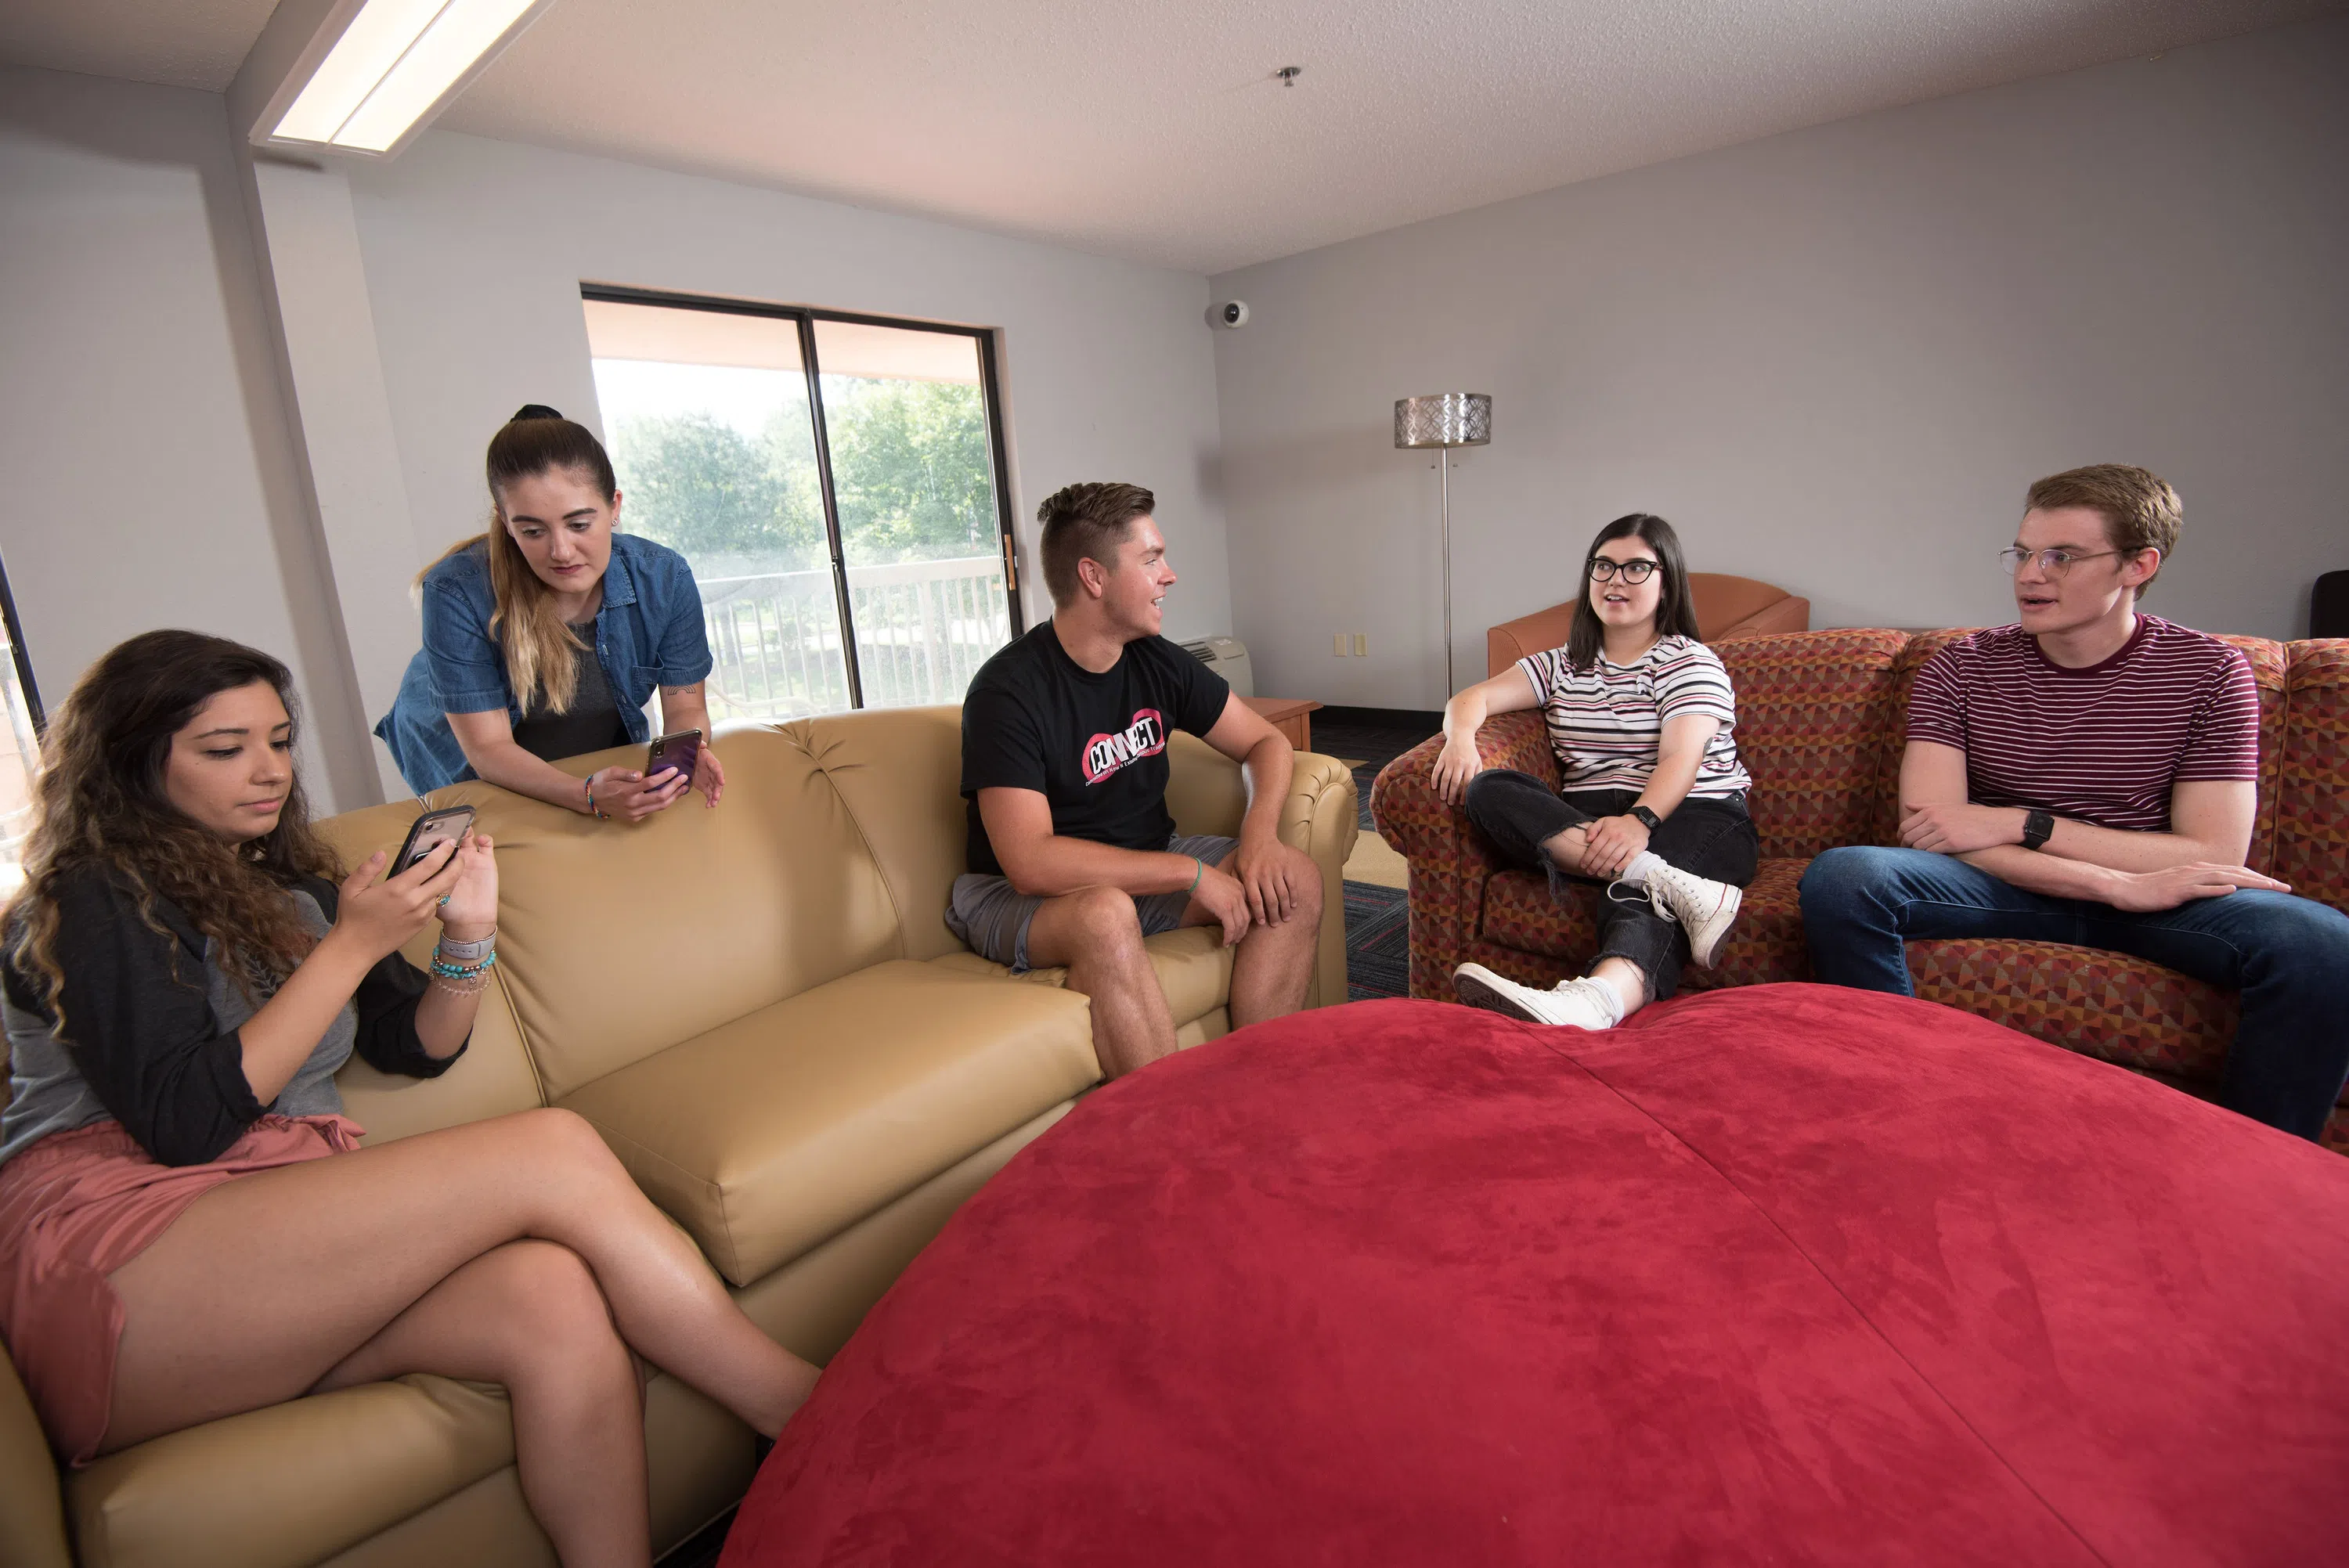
1198 869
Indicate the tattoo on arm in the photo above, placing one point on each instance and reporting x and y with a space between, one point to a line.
693 690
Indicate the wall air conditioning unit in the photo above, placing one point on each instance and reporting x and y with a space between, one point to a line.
1228 657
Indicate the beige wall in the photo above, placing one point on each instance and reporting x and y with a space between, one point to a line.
475 251
146 478
1833 359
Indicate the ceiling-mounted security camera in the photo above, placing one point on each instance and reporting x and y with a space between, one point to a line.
1232 313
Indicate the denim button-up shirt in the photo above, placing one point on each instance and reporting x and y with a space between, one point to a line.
648 634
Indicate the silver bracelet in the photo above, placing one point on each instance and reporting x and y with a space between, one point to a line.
468 951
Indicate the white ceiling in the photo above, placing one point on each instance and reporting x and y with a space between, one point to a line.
1153 128
179 43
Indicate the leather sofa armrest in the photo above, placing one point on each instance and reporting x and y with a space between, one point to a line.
1322 817
1450 860
32 1505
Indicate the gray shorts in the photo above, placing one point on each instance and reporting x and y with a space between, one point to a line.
991 917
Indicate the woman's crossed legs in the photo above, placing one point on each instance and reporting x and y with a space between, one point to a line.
515 1251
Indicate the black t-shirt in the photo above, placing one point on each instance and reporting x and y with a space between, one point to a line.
591 723
1093 745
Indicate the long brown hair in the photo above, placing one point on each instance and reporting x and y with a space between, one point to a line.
539 648
100 804
1675 614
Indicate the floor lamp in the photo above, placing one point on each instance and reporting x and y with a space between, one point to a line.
1444 422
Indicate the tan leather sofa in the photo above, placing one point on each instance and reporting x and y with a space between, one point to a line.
1725 608
762 1009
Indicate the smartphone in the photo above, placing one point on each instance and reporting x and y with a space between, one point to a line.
432 830
680 750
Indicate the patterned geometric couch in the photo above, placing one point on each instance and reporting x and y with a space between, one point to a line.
1819 721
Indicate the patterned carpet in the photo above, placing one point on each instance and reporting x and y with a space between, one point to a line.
1378 941
1378 932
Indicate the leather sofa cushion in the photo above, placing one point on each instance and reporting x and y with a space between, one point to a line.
274 1487
1194 967
296 1483
617 940
766 1135
898 774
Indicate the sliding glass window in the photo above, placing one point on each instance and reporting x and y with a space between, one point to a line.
834 481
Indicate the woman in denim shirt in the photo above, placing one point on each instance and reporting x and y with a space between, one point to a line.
544 637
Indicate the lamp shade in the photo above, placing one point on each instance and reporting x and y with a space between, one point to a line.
1444 419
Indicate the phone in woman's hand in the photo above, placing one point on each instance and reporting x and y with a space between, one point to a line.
680 750
446 826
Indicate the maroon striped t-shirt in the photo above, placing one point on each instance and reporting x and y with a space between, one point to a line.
2104 745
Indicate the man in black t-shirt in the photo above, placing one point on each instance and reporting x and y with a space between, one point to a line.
1074 859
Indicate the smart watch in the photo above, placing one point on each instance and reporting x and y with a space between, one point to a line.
2037 827
1650 818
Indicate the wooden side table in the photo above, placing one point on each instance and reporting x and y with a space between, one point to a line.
1293 717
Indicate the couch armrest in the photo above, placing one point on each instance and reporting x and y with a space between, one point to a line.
32 1506
1450 860
1323 817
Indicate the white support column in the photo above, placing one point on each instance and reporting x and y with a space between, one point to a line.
314 280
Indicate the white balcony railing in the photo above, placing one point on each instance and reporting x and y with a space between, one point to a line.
923 628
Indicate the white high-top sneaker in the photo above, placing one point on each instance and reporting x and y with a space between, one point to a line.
1576 1004
1705 909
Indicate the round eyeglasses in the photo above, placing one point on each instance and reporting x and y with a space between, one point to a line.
1604 570
2055 563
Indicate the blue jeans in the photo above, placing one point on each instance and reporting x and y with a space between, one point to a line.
2288 956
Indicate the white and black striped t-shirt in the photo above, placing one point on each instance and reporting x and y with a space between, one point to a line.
1606 722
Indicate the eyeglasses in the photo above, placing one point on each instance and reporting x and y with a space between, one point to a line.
1603 570
2055 563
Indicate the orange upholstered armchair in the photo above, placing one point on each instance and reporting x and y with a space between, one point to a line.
1725 608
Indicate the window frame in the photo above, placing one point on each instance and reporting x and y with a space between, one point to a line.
15 626
805 317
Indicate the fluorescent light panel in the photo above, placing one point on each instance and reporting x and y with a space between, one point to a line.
392 64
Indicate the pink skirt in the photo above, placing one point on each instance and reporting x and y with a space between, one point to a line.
78 1205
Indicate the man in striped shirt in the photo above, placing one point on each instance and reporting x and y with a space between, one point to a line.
2088 776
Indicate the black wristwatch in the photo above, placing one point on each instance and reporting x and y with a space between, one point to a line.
1650 818
2037 827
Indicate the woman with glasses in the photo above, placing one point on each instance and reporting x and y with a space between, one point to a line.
1652 807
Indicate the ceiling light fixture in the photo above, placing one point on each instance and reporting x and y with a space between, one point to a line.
378 70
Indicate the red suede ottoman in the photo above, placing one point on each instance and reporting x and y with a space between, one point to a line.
1775 1275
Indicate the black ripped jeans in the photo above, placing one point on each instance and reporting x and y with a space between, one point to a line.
1710 837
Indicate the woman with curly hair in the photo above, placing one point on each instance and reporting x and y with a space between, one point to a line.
188 1226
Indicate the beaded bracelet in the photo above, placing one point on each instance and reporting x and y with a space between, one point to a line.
594 809
463 979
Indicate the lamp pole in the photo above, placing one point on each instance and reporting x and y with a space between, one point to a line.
1443 470
1444 420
